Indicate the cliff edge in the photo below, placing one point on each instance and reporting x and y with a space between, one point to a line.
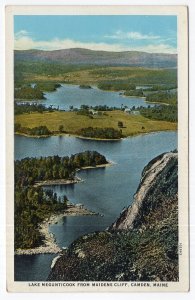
142 245
158 183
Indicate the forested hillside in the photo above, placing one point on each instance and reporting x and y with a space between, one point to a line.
32 203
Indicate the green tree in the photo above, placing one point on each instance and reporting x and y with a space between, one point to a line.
61 128
120 124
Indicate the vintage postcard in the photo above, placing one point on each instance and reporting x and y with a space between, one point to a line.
97 148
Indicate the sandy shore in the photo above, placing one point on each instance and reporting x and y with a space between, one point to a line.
68 181
58 182
97 139
155 102
109 164
50 245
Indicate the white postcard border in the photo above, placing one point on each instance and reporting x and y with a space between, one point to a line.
181 12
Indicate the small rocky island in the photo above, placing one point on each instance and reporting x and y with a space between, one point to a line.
142 244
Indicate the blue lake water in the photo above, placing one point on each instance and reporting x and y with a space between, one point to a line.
69 94
106 190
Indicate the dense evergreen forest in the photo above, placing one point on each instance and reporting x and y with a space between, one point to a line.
28 108
116 85
34 204
30 170
37 131
163 97
47 86
165 87
28 93
135 93
160 112
101 133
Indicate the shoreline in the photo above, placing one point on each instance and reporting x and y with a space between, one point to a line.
152 132
155 102
65 134
50 246
96 139
71 181
140 97
89 138
109 164
58 182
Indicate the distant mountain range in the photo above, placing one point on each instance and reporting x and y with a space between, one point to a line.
78 56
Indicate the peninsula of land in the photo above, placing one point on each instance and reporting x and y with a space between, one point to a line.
49 243
31 174
111 125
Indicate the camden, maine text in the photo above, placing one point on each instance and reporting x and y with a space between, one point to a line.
99 284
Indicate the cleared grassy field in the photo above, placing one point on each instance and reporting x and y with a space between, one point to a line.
73 122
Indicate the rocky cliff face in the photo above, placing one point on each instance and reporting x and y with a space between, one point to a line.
158 183
142 244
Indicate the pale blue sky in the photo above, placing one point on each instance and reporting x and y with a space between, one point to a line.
111 33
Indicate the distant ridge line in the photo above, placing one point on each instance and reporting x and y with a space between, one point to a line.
93 57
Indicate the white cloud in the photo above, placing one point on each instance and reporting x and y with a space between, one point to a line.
24 42
161 48
133 35
21 34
